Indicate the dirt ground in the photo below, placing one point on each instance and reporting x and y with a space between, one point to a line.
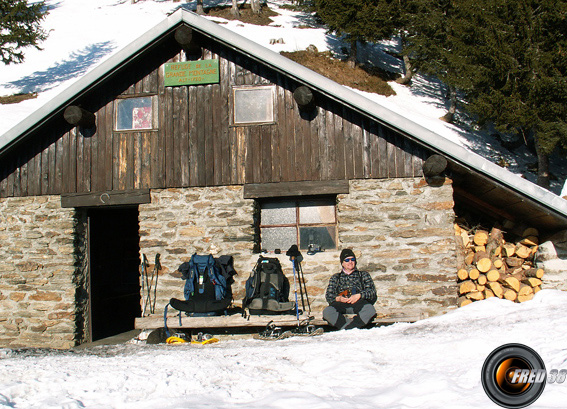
363 79
370 80
14 99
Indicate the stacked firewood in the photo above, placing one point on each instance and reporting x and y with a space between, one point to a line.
492 267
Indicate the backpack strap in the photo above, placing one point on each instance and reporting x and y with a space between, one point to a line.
165 320
280 285
252 284
217 277
256 277
190 284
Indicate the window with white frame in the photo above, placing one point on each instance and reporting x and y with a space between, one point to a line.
253 105
136 113
301 221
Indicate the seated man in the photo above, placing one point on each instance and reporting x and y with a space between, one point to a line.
350 292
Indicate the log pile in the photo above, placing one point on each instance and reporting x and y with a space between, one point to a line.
489 266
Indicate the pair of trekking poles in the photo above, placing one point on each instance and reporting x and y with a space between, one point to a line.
149 284
304 328
296 258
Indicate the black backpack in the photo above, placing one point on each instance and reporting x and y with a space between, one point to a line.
208 283
267 289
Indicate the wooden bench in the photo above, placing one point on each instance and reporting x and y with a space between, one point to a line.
253 321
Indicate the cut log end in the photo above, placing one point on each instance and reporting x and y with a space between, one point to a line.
510 295
484 265
523 251
474 274
481 237
462 274
304 97
524 298
462 301
467 286
435 165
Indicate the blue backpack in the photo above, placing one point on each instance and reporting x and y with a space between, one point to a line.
203 269
207 285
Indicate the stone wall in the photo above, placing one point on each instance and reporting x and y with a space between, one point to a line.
401 231
180 222
37 273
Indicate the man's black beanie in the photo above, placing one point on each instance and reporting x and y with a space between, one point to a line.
346 253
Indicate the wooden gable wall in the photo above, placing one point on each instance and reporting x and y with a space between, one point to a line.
195 144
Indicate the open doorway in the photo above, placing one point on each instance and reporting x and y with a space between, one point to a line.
114 247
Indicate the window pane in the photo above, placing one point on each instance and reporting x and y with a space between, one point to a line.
323 236
278 238
134 113
253 105
311 212
278 213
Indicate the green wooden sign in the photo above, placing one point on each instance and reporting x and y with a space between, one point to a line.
191 73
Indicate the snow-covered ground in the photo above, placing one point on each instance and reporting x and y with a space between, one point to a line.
83 33
433 363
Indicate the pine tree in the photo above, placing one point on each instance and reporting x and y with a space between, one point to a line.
428 41
200 9
359 20
234 9
513 60
19 28
508 57
256 6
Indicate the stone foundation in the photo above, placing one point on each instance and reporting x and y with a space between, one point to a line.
37 273
400 229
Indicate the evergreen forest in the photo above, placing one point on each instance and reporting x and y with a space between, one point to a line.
504 61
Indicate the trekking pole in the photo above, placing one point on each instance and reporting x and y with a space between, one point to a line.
302 279
149 284
295 291
292 253
146 282
157 268
297 259
297 262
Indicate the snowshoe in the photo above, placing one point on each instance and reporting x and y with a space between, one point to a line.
160 335
273 333
308 331
178 338
203 339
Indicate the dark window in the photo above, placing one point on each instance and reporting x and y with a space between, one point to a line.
298 221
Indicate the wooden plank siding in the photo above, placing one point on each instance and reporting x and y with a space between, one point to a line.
197 144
